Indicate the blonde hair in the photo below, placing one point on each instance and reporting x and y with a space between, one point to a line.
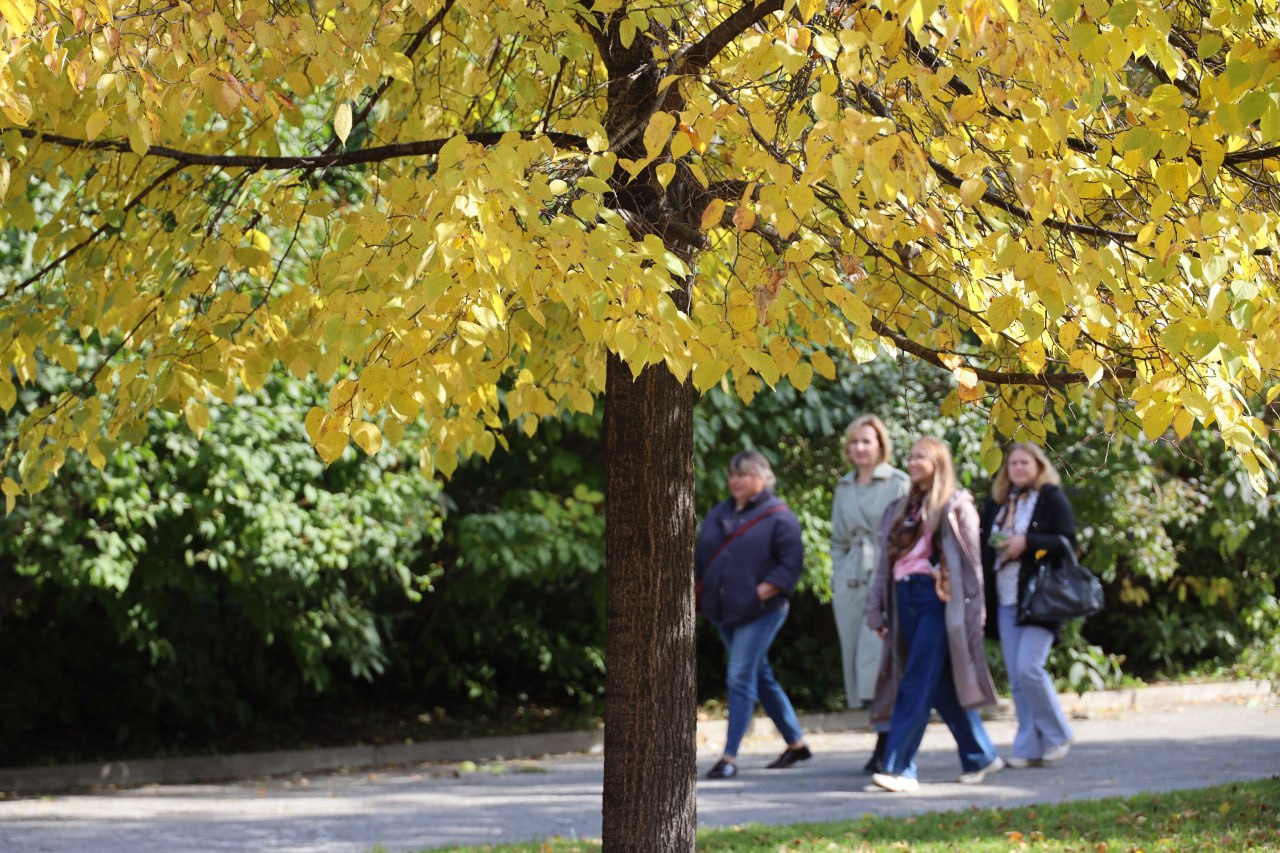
1048 475
878 427
940 489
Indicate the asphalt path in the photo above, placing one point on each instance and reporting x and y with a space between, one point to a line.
430 805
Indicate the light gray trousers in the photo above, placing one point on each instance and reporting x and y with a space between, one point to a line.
1041 723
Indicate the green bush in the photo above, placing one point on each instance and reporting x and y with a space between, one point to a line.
191 587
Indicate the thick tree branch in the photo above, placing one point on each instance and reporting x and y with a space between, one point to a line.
1251 155
378 154
699 55
995 377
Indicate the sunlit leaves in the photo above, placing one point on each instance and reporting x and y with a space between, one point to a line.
342 121
1081 196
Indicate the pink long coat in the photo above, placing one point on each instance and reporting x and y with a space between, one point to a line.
965 611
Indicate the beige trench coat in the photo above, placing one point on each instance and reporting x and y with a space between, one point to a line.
856 511
965 611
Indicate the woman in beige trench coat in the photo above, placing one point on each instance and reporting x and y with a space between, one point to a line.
861 497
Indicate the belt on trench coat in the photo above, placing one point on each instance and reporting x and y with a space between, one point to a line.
867 542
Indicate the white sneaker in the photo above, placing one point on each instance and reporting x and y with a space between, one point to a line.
896 784
1018 763
977 776
1056 753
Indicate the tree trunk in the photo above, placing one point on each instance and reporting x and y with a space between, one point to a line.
650 735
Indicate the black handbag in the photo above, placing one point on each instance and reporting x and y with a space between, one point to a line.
1060 589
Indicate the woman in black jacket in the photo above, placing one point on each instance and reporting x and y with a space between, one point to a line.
1027 515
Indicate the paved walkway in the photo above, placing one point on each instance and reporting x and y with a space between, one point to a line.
1116 753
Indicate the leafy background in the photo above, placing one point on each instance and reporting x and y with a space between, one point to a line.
234 593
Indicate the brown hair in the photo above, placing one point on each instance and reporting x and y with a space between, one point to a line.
1048 474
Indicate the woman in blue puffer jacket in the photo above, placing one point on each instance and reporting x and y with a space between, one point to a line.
747 563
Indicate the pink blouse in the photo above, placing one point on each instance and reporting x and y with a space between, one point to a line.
915 561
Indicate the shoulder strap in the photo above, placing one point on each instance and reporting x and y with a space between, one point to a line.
744 528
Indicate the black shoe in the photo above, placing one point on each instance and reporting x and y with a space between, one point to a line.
873 763
723 770
791 756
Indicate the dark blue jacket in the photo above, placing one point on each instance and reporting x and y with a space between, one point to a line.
770 551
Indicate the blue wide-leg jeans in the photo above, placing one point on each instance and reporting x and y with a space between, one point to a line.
750 678
927 684
1041 723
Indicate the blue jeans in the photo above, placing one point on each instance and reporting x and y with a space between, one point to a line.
927 684
1041 723
750 677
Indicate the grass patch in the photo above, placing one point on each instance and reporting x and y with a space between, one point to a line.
1243 816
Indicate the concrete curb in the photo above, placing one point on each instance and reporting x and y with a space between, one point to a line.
40 780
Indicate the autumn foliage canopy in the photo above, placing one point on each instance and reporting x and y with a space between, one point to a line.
453 209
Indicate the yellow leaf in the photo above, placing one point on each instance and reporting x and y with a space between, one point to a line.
1182 423
1092 368
11 491
972 190
331 445
367 436
626 32
801 375
665 172
715 210
19 13
681 144
314 423
825 106
742 318
917 16
1068 334
97 458
1156 420
96 122
657 133
823 364
1003 311
707 373
259 240
197 417
399 67
8 395
342 122
1033 356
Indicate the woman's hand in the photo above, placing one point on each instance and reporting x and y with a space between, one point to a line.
1014 547
766 590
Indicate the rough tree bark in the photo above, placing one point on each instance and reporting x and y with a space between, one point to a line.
650 691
